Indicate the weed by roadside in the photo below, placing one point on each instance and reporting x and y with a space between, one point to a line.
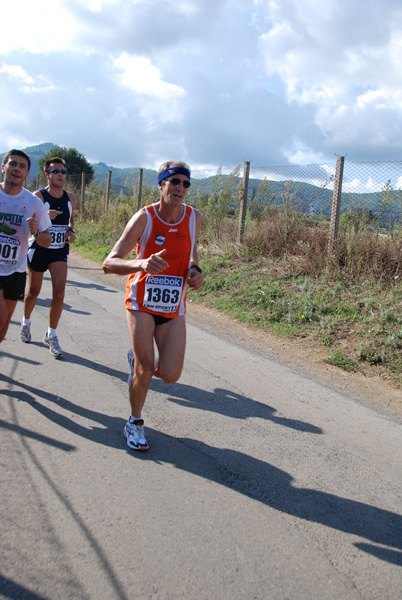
360 323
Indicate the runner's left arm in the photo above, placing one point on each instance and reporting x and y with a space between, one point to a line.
194 276
70 234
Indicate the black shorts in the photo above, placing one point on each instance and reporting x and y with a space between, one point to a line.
13 285
160 320
39 259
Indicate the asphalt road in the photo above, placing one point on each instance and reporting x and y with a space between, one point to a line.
260 483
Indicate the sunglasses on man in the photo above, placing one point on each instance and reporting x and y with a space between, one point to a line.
56 171
177 181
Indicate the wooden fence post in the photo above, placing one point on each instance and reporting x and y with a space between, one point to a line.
243 203
139 194
336 204
109 178
82 192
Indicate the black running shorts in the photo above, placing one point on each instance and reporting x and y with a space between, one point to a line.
13 285
39 259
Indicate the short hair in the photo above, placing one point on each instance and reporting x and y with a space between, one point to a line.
14 152
54 159
172 163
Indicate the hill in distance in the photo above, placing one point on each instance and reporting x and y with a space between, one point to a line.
319 199
120 177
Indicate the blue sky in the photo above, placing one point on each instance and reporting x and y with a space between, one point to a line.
211 82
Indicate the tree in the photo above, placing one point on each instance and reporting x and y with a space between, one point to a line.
75 161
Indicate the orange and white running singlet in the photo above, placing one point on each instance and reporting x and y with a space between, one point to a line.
165 293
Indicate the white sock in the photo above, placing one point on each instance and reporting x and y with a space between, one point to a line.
25 321
132 419
51 332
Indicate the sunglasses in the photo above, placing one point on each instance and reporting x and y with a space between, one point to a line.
56 171
177 181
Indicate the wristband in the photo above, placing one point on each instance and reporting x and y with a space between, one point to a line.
197 268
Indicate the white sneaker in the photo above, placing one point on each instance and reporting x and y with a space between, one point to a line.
25 333
135 436
53 344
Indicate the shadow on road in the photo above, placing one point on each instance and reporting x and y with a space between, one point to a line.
45 303
9 589
228 403
90 286
274 488
109 433
244 474
29 361
220 401
28 433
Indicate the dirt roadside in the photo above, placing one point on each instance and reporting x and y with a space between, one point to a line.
295 354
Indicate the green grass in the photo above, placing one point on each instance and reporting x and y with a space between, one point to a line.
364 318
93 242
339 359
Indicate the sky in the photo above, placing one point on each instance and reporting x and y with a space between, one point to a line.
133 83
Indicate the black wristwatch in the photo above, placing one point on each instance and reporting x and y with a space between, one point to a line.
71 229
37 233
197 268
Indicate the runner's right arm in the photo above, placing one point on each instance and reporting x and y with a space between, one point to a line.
116 261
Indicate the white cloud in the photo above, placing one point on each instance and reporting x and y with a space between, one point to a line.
326 57
16 72
270 81
37 27
359 186
139 75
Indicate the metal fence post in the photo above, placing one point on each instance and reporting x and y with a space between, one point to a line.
243 203
109 178
82 192
139 189
336 204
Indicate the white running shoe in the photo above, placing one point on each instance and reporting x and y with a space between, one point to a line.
130 358
53 344
25 333
135 436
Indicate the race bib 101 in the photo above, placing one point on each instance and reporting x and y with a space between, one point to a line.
9 250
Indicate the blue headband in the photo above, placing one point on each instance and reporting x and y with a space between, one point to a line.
173 171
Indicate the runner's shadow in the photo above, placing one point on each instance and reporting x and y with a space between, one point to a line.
384 554
33 435
20 358
91 286
244 474
45 303
227 403
108 433
10 589
274 487
90 364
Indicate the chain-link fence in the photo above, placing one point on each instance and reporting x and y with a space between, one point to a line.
372 191
369 192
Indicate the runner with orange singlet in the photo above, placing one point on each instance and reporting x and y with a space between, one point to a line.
164 235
